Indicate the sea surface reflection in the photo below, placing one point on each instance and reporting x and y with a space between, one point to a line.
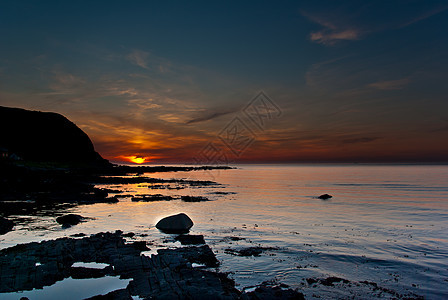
384 224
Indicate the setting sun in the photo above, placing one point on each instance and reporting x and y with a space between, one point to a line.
137 159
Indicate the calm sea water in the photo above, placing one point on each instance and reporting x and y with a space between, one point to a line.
384 224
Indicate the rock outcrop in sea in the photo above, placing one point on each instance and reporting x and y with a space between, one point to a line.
179 223
69 220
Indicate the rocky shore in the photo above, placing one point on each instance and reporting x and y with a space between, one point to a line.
30 189
184 273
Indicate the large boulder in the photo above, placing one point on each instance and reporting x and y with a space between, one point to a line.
5 225
69 220
179 223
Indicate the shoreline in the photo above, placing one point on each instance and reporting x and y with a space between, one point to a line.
185 272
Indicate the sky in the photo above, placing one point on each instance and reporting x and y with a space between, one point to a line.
236 81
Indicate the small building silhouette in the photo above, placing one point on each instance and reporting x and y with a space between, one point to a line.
4 153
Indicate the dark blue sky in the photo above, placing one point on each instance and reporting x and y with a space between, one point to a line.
355 80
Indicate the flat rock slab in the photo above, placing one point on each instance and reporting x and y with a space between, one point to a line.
167 275
189 239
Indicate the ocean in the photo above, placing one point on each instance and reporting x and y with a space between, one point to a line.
384 231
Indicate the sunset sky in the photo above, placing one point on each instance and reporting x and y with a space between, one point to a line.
162 82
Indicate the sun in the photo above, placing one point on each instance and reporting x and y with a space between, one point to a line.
137 159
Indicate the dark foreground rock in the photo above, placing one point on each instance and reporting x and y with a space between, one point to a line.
189 239
167 275
325 196
5 225
179 223
70 220
372 289
277 292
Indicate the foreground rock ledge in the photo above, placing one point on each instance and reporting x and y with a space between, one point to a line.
167 275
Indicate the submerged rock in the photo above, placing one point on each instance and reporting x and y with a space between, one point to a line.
179 223
194 199
325 196
5 225
69 220
249 251
277 292
150 198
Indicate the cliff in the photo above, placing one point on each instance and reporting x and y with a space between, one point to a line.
45 137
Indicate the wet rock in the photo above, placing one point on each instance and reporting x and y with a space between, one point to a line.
329 281
5 225
84 273
194 199
150 198
129 234
69 220
140 245
194 254
179 223
223 193
78 235
249 251
189 239
325 196
167 275
311 281
121 294
265 292
113 199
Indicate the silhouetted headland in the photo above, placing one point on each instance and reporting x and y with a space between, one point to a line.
46 161
45 136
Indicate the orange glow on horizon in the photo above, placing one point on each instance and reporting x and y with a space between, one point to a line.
137 159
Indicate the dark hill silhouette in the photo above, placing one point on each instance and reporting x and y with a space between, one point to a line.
45 136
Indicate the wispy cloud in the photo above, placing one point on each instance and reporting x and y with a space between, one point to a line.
139 58
331 37
210 116
390 84
425 15
358 140
331 33
350 23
